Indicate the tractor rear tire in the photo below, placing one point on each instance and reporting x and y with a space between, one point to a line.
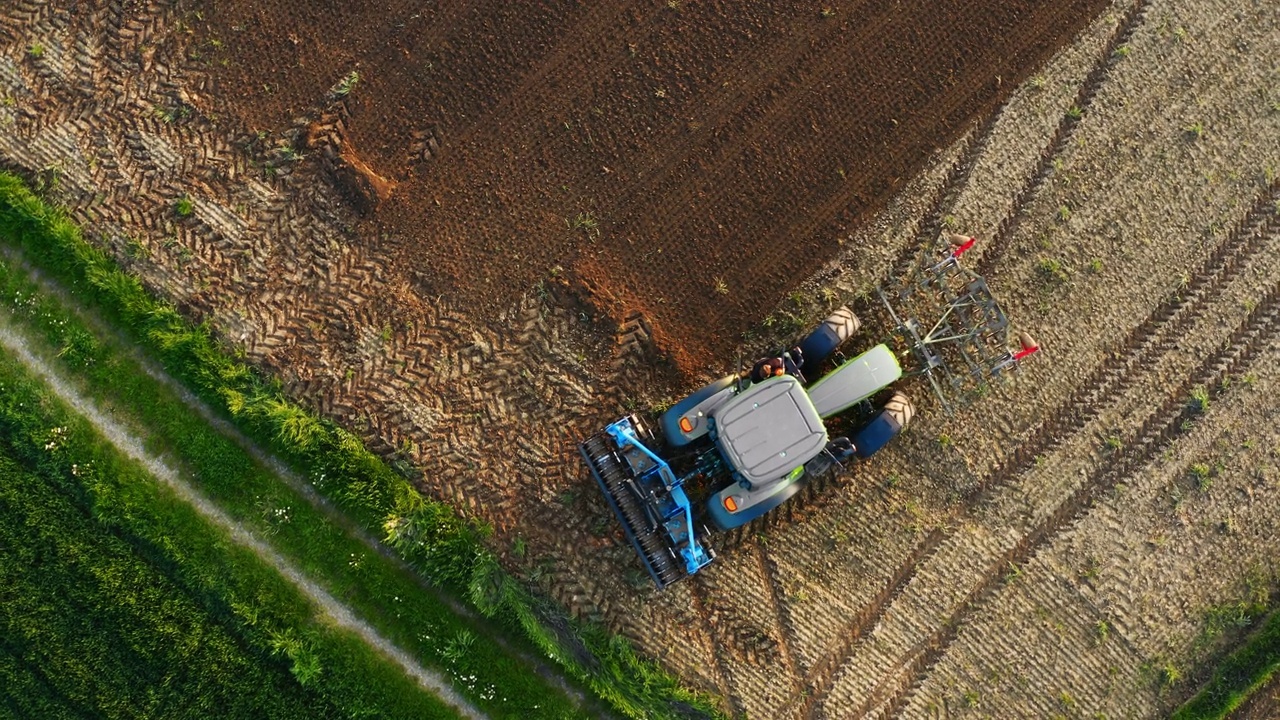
830 334
845 323
900 407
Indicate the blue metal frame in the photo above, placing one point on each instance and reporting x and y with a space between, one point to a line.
635 542
679 528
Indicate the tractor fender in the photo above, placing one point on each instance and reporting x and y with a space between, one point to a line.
855 381
695 410
753 503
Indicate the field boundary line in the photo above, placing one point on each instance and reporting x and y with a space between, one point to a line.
19 346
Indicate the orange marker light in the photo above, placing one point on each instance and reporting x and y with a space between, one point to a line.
686 425
729 504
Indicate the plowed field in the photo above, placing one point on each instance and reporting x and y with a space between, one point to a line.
480 246
649 150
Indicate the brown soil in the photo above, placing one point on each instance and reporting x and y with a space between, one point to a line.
363 188
656 151
1045 550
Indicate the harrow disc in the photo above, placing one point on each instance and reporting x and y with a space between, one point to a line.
616 482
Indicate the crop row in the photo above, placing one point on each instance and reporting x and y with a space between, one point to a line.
444 548
119 600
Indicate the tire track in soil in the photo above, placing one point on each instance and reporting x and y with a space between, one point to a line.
1107 60
866 618
1139 350
1250 338
1164 324
722 676
752 76
945 198
778 118
781 611
24 14
488 127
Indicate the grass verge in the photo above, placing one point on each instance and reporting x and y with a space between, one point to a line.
377 588
443 547
119 600
1244 671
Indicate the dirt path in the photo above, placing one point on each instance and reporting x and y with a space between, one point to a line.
132 446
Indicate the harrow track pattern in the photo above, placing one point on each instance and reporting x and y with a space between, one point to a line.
995 250
1161 428
777 597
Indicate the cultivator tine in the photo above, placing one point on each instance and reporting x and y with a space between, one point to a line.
644 532
948 321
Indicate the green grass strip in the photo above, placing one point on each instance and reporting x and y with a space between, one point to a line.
120 600
377 588
1242 673
430 536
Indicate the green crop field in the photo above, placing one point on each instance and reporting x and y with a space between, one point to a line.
119 600
92 620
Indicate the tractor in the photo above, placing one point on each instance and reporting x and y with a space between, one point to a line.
749 444
753 444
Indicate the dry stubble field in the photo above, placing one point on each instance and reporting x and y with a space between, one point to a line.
1050 549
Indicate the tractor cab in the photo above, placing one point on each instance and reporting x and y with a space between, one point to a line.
768 430
765 436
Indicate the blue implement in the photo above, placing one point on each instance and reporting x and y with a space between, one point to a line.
649 499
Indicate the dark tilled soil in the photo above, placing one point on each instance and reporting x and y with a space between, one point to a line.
688 160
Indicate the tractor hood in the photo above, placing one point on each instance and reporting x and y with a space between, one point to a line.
769 430
855 381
